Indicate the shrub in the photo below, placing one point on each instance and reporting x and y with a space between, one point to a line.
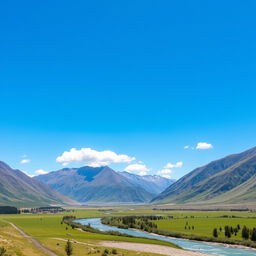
215 232
2 251
245 233
114 251
69 248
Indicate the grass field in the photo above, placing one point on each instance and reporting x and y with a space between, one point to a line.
47 229
204 226
15 243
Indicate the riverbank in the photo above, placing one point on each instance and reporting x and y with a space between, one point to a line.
150 248
150 224
210 243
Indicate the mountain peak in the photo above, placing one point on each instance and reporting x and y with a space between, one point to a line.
96 184
90 172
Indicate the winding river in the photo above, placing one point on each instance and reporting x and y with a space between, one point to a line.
186 244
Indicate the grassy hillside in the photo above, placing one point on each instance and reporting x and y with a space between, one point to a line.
231 179
17 189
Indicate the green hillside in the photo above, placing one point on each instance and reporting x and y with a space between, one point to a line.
231 179
17 189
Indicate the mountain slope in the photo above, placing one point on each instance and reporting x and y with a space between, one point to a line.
152 183
89 184
214 182
17 189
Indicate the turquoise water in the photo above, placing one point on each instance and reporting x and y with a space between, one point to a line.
186 244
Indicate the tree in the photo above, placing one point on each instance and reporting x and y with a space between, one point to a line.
69 248
253 235
245 233
215 232
227 232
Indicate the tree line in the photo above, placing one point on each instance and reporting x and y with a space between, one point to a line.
138 222
229 231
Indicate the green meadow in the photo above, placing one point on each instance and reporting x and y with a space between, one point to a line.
203 226
47 228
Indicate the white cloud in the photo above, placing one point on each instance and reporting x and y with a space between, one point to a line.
167 170
92 157
204 145
25 161
200 145
139 169
177 165
167 176
166 173
40 172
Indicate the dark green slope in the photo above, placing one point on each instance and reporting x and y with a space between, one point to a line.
17 189
211 182
101 184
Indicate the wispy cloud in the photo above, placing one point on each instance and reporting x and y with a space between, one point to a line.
166 173
177 165
25 161
140 169
167 170
40 172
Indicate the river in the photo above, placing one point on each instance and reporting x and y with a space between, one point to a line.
186 244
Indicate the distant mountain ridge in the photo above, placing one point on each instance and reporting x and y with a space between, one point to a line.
151 183
231 179
95 184
18 189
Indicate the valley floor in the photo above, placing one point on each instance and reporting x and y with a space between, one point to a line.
45 235
51 233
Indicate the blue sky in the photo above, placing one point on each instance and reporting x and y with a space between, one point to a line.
140 78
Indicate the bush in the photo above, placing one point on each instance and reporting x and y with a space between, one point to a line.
114 251
215 232
245 233
69 248
106 251
2 251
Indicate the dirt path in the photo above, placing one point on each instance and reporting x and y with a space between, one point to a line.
138 247
153 248
33 241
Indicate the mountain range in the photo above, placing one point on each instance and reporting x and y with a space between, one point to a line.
102 184
152 183
231 179
18 189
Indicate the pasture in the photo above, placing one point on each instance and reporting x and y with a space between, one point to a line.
48 230
203 226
